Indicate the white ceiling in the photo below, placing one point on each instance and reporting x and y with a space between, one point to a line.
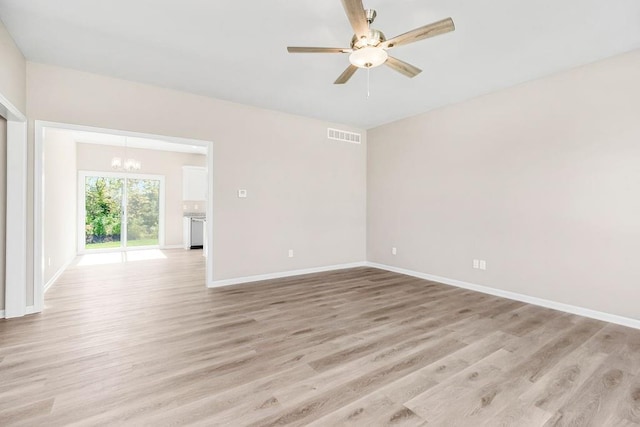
135 142
236 50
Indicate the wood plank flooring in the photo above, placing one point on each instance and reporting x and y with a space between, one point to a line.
145 343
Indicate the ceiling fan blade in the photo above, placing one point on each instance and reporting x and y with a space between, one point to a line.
357 17
430 30
403 67
296 49
346 75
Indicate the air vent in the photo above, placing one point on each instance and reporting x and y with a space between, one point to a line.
343 135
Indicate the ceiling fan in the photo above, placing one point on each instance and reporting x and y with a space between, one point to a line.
369 46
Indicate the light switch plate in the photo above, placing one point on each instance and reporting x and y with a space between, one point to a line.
483 264
242 194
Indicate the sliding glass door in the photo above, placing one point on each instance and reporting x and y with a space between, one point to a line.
143 212
120 211
103 199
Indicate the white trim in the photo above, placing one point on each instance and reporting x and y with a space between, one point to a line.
9 111
32 310
38 217
279 275
16 211
1 314
69 126
580 311
38 214
57 275
209 270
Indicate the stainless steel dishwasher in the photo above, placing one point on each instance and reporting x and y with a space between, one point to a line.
197 229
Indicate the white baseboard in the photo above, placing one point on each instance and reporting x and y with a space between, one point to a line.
29 310
279 275
580 311
57 275
172 247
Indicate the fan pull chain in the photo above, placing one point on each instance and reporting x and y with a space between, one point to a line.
368 82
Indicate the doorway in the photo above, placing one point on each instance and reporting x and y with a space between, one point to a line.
130 222
119 212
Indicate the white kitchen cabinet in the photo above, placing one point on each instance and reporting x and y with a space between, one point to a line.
194 183
186 232
205 246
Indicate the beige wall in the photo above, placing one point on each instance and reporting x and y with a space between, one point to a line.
60 201
3 206
541 180
92 157
306 192
12 71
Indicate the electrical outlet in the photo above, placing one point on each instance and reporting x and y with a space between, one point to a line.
483 264
476 263
242 194
290 253
394 251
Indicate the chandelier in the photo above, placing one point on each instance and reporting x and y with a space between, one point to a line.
128 164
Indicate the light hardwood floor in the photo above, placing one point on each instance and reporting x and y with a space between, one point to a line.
144 343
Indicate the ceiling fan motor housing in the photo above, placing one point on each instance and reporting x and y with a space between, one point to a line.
374 38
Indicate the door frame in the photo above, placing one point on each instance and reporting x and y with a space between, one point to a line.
38 196
82 175
15 301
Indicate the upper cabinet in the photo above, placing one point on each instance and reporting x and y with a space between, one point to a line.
194 183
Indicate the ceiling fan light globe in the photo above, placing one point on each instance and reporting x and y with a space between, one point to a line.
368 57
